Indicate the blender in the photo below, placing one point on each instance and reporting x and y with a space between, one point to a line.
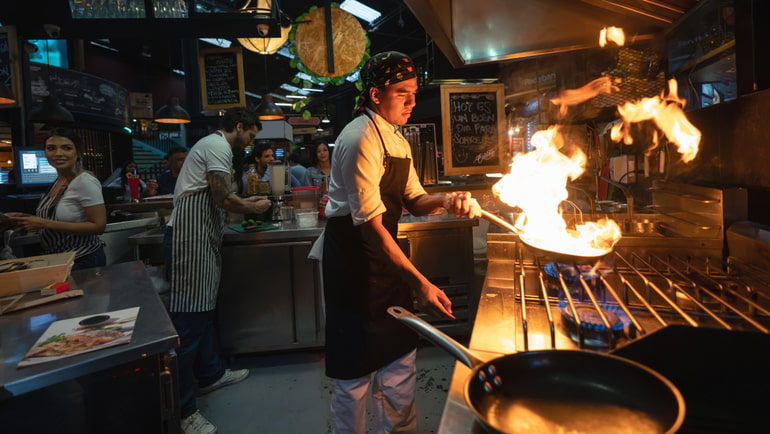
277 171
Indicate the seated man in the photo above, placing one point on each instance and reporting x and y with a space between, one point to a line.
261 157
167 179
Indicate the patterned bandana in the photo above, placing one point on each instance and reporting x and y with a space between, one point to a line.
384 69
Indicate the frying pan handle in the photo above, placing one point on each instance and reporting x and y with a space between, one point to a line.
435 336
497 220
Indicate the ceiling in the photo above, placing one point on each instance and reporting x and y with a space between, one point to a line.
438 36
160 41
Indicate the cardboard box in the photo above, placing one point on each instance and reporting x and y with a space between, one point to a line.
42 270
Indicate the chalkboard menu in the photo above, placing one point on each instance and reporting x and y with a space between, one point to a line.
473 124
79 92
9 62
222 78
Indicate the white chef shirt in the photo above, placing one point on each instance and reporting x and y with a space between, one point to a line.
357 168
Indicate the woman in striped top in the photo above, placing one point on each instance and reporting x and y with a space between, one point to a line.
71 215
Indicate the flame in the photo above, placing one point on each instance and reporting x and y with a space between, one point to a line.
541 224
666 112
612 34
572 97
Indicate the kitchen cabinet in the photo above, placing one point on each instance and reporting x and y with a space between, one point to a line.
269 298
271 295
443 252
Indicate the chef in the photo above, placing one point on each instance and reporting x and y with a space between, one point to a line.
364 270
193 241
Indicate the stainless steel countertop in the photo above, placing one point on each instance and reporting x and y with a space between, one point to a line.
114 287
493 335
288 231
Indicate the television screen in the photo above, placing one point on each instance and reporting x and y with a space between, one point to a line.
32 168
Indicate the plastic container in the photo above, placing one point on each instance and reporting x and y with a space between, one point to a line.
305 197
306 218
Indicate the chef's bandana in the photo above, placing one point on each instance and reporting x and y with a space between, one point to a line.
384 69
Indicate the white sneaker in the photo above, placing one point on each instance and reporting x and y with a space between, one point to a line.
230 377
197 424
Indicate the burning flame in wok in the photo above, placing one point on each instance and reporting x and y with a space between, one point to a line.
537 184
537 180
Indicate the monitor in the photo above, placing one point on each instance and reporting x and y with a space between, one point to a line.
32 168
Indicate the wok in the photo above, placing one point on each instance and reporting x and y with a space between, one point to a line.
549 255
553 391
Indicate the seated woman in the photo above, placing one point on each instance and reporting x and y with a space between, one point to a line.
71 215
321 166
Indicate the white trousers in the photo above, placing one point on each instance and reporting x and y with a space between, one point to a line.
393 391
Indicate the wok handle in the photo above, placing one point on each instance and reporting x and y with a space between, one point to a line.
436 336
497 220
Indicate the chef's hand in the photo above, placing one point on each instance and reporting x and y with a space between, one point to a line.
27 221
259 204
434 301
461 204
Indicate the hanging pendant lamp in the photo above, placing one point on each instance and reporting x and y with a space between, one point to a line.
266 45
267 110
172 113
6 95
51 112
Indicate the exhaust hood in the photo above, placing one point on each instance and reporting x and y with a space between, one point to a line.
471 32
275 130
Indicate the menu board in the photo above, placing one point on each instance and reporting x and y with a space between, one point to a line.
222 82
473 129
9 62
79 92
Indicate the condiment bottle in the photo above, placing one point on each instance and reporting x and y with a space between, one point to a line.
252 180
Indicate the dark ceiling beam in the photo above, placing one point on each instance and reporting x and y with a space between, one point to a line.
199 26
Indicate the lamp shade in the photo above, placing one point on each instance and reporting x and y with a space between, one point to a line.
266 45
267 110
51 112
172 113
6 95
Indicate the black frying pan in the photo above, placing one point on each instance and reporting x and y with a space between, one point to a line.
549 255
561 391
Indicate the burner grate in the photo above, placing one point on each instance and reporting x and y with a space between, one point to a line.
627 296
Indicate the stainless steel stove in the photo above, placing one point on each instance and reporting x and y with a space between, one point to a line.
626 296
667 298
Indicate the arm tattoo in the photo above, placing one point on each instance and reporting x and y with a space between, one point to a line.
220 186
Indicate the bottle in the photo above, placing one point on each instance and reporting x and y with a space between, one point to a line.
324 197
252 180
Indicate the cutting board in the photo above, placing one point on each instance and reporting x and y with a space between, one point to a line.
259 228
32 299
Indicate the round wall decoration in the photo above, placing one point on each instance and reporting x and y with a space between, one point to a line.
343 54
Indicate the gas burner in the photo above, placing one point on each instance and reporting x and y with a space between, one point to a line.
571 275
592 328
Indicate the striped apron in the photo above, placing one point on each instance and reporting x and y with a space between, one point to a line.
196 252
57 242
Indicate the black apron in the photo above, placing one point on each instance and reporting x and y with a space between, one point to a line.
361 337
